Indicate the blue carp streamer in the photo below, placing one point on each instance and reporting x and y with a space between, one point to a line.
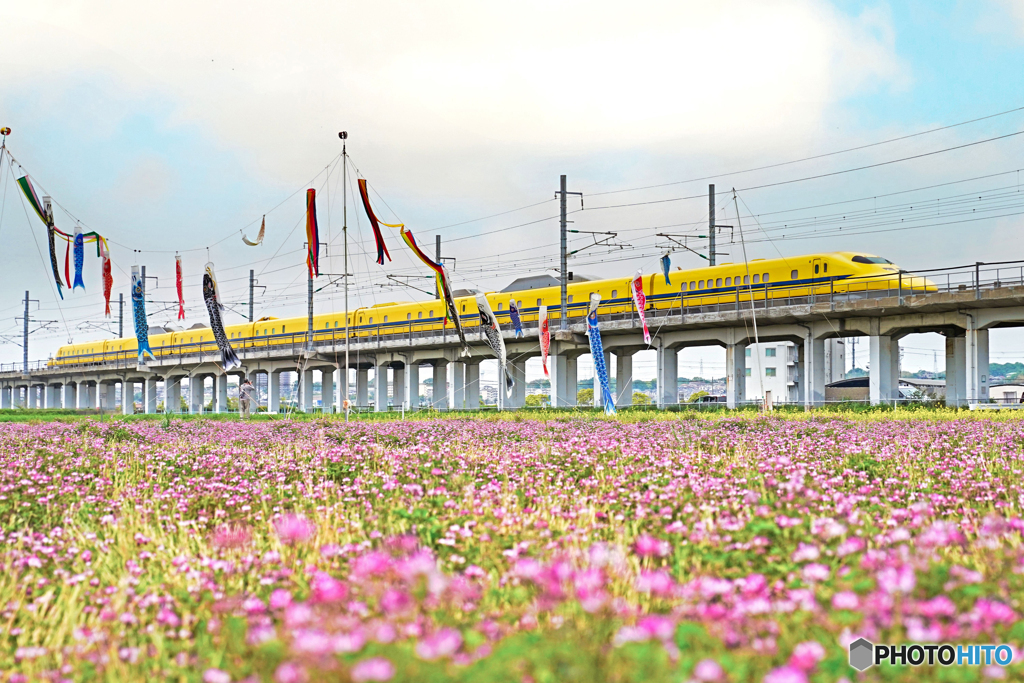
139 309
597 351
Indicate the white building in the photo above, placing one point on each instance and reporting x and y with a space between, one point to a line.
773 369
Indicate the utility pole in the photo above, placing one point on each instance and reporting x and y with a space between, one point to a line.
24 344
120 314
563 323
437 251
344 231
252 281
711 224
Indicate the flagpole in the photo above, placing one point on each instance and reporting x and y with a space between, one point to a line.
344 230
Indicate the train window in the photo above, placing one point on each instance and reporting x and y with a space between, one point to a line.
327 326
825 266
700 284
420 315
360 318
615 293
764 278
385 318
463 310
431 314
570 298
519 303
692 283
408 316
718 282
232 335
870 259
756 278
728 282
371 319
746 279
538 303
816 268
273 330
793 275
500 306
191 339
282 329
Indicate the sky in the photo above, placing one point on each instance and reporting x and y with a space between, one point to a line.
176 129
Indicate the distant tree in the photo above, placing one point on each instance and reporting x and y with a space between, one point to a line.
856 372
696 396
641 399
585 397
536 400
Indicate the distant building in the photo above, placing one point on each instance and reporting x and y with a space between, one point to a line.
774 368
1006 393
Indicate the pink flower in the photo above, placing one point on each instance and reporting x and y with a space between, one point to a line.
815 572
216 676
443 643
326 588
657 626
806 655
849 546
897 580
649 546
845 600
290 673
806 552
280 599
708 671
656 583
231 536
785 674
395 601
294 529
375 669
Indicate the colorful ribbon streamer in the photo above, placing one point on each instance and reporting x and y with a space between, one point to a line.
108 276
382 249
177 277
597 352
640 299
443 284
312 235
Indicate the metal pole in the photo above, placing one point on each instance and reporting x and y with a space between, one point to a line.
437 250
344 231
563 323
252 281
711 224
24 344
120 314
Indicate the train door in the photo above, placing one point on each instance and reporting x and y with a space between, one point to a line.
816 270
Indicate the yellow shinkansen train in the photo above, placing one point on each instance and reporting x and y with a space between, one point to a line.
837 273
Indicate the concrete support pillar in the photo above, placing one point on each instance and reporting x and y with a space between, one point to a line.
274 391
70 398
623 379
380 387
149 396
363 387
412 386
517 369
172 394
598 399
884 359
220 393
472 386
20 397
90 393
458 386
107 396
956 371
342 381
326 390
814 377
735 375
563 380
668 376
976 352
52 396
398 386
128 398
197 394
305 379
6 397
440 398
